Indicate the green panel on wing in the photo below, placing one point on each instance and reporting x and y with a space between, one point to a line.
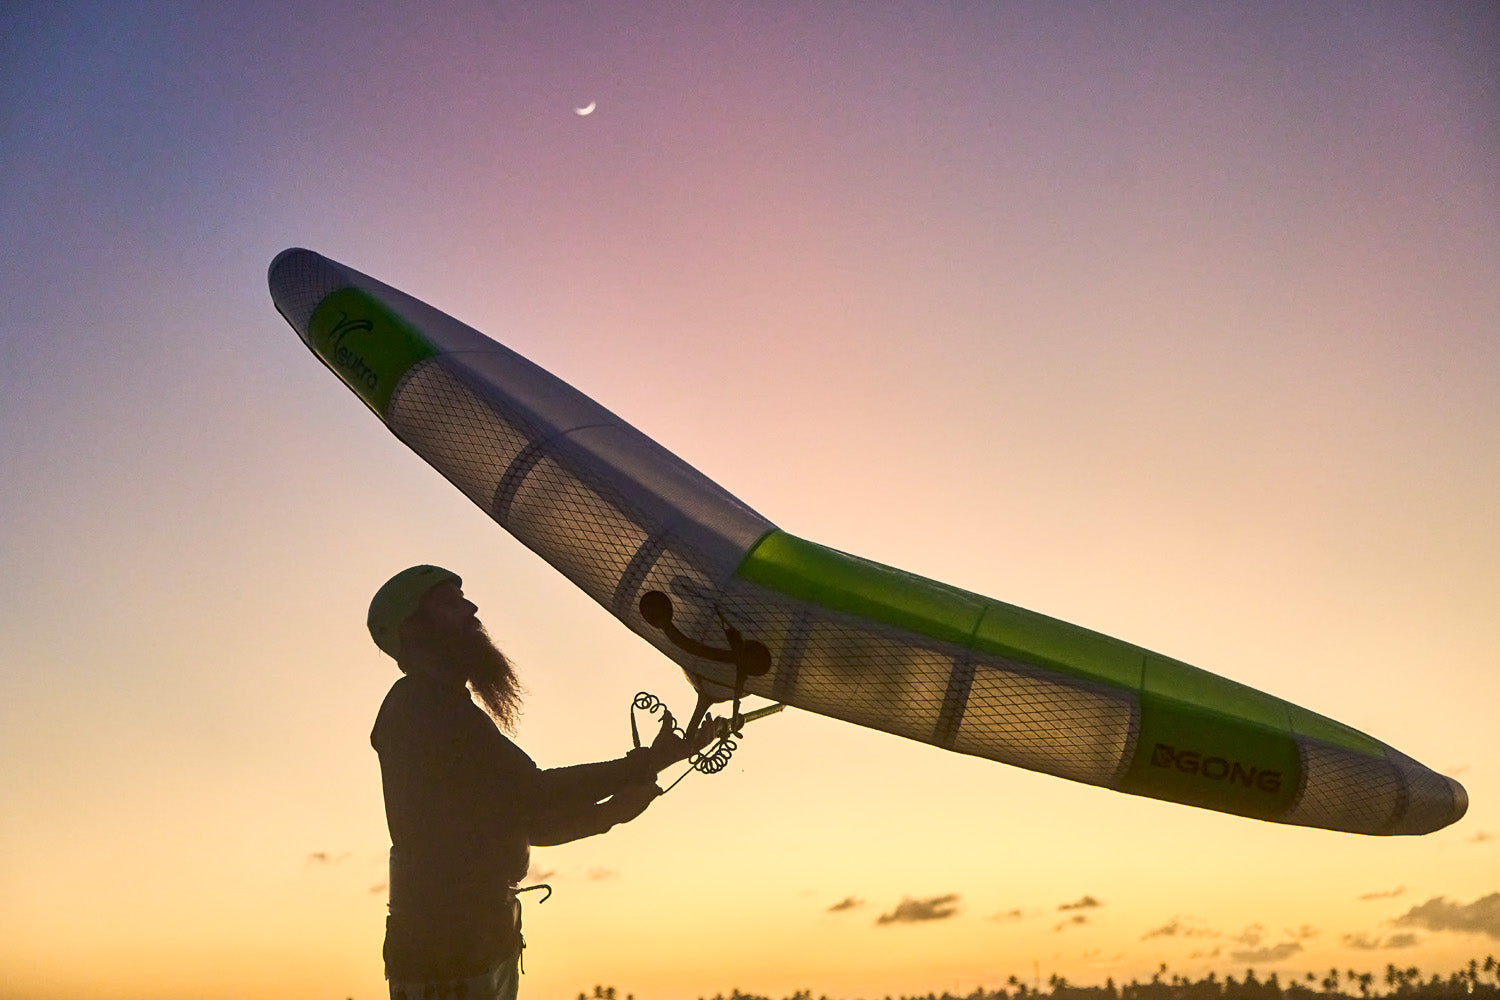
1318 727
860 587
366 344
1207 741
868 589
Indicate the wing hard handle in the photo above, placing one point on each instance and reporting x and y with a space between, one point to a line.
750 657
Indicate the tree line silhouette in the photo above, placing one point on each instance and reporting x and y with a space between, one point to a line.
1478 979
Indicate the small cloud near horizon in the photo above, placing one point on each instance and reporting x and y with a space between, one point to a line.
1252 935
1386 894
601 874
1363 942
847 903
1481 837
1176 928
1015 914
914 911
1437 914
1073 921
1086 903
1275 953
324 858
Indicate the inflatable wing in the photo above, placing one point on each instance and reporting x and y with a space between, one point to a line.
738 603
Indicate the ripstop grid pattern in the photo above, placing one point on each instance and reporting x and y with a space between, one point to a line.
1082 731
480 450
888 679
1345 790
589 541
299 280
1431 800
856 674
458 433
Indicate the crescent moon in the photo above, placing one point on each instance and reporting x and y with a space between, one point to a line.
587 109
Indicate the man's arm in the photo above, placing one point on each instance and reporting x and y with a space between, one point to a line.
588 783
559 824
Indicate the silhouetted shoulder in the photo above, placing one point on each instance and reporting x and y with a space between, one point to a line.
417 708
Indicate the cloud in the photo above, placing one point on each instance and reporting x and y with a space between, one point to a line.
1253 936
1086 903
379 887
534 874
1077 918
1387 894
847 903
601 874
1015 914
1479 917
1363 942
1275 953
913 911
324 858
1176 928
1481 837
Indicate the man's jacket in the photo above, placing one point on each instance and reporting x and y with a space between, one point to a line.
464 805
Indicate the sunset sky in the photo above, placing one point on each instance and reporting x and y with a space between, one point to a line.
1180 322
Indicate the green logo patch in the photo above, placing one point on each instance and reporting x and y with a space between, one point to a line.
366 344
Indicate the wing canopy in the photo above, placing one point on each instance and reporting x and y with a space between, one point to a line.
623 518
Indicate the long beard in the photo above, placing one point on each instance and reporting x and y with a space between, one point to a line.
490 676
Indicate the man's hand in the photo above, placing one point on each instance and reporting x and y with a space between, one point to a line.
668 748
630 801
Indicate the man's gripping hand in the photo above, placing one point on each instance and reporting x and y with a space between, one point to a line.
668 748
629 802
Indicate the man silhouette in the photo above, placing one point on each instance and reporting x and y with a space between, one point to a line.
464 804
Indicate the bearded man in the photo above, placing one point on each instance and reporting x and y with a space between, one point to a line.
464 804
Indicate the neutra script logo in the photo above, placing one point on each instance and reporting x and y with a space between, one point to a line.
347 359
1216 768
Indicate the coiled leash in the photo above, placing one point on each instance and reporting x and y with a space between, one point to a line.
712 759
